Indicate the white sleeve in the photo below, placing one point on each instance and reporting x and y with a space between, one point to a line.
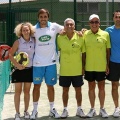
58 27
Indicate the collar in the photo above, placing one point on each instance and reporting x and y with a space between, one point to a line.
23 41
38 25
74 36
98 33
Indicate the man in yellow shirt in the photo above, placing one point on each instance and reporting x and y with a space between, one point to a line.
71 47
97 45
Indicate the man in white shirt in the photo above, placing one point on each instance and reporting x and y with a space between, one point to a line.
44 62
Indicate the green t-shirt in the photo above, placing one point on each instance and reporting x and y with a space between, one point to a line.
70 54
96 45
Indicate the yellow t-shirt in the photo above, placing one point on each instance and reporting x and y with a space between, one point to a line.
70 54
96 45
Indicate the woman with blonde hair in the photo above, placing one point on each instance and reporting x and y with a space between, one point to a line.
23 76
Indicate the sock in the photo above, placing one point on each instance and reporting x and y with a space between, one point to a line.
79 107
117 108
51 105
65 108
35 105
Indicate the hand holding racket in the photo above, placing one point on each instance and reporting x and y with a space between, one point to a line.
4 52
22 60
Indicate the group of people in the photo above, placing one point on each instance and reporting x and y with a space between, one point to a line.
95 54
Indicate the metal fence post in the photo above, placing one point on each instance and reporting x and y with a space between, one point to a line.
75 16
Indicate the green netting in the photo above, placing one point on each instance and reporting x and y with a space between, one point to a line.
4 81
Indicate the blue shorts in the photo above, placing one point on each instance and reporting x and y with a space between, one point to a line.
49 73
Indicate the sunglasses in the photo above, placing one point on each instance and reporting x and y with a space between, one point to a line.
92 22
117 16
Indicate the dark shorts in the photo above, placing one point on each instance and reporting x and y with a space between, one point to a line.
66 81
25 75
114 71
92 76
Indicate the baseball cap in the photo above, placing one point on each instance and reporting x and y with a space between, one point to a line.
93 16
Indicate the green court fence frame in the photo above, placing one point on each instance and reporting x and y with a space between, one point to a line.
12 13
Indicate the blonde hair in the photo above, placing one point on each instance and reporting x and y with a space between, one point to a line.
18 29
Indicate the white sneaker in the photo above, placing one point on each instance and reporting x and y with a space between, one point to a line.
53 113
80 113
116 113
26 115
17 116
91 113
103 113
34 114
64 114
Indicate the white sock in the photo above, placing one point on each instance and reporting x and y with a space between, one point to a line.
65 108
35 106
79 107
51 105
117 108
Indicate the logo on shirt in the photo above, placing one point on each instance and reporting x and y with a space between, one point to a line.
44 38
75 45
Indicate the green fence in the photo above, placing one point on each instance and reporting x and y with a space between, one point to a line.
4 81
13 12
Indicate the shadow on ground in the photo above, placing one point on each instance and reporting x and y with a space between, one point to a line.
72 118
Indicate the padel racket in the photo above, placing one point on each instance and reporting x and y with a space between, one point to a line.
21 58
4 52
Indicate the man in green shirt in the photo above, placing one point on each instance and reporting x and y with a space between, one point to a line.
97 45
71 47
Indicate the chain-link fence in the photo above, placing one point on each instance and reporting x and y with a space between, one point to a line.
13 12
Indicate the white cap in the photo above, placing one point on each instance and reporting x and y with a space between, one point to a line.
93 16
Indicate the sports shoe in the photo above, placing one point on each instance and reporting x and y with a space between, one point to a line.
53 113
91 113
34 114
103 113
116 113
80 113
26 115
64 114
17 116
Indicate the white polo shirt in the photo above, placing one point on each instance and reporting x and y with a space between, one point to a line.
45 49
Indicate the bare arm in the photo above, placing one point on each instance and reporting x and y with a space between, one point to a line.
83 62
108 59
11 55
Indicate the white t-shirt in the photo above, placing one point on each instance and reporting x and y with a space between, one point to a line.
45 49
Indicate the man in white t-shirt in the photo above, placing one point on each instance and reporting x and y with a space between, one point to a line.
44 62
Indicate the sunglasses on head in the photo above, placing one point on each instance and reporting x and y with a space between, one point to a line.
92 22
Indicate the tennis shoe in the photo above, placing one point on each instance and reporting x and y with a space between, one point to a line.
53 113
64 113
34 115
26 115
91 113
116 113
80 113
103 113
17 116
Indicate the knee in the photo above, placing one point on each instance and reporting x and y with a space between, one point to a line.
65 90
26 92
17 92
115 85
91 87
36 87
51 88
